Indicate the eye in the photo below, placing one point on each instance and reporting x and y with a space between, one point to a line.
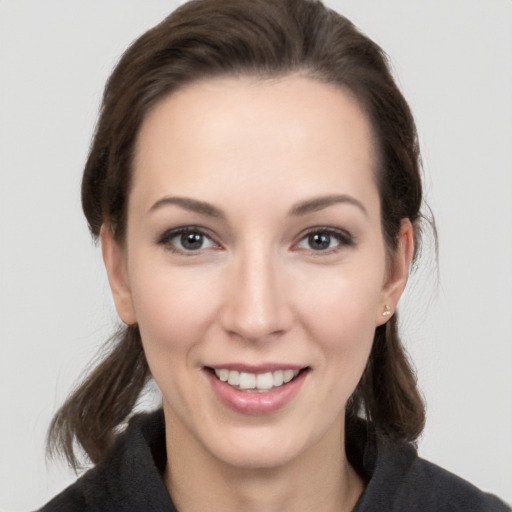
187 239
325 240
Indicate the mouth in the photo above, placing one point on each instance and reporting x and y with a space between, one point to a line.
256 391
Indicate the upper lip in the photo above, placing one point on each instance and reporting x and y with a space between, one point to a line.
259 368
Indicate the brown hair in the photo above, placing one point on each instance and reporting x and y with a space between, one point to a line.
268 38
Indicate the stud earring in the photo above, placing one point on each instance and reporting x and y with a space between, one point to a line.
387 311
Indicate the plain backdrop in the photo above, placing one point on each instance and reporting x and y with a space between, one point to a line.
453 60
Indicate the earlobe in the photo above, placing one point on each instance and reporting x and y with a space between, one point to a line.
398 272
115 265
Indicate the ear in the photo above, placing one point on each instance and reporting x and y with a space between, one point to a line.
115 264
398 272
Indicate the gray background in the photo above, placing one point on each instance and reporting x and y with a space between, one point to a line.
453 59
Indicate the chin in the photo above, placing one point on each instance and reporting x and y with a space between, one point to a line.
262 455
269 447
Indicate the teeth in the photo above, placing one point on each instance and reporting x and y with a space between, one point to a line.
259 381
288 375
223 375
247 380
278 378
233 378
264 380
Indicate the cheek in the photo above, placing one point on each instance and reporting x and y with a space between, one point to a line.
338 313
343 303
173 308
173 313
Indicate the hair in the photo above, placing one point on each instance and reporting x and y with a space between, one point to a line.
264 38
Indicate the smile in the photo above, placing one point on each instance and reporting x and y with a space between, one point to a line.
256 382
256 391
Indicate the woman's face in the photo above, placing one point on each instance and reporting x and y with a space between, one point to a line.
254 254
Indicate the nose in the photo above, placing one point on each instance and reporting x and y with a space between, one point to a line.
257 307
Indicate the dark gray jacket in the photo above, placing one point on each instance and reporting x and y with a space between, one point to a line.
130 477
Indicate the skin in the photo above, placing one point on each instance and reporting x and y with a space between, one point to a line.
257 290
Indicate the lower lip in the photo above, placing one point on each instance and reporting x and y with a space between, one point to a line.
256 403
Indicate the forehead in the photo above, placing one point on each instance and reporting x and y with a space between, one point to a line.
217 135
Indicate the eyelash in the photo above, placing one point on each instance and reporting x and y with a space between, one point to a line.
344 239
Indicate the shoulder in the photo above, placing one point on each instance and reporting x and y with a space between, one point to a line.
128 479
427 487
71 498
400 481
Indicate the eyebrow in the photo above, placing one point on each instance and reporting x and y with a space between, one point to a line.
302 208
319 203
192 205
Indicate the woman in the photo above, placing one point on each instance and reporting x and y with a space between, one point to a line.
255 186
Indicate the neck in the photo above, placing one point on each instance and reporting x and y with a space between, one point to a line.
319 479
